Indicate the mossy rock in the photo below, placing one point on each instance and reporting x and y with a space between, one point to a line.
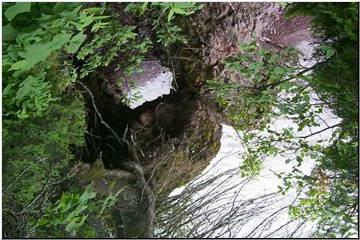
187 157
127 218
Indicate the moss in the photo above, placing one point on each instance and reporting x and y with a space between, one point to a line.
198 146
96 173
127 218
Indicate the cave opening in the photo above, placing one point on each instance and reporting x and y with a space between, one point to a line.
168 114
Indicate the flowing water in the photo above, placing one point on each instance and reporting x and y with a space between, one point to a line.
235 206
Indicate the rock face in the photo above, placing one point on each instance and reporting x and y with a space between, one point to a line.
233 24
289 32
187 154
150 82
166 115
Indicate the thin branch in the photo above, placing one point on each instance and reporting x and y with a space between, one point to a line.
100 116
20 174
327 128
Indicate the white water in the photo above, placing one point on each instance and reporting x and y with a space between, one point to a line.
231 155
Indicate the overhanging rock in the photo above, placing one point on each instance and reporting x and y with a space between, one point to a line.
147 84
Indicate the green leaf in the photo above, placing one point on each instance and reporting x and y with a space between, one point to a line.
143 8
16 9
98 26
8 33
171 14
299 159
66 7
75 224
26 87
94 10
329 51
278 70
71 15
76 42
39 52
42 222
9 90
87 195
179 11
85 21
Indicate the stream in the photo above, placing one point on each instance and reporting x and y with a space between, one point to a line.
233 206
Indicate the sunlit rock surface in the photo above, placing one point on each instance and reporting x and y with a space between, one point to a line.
150 82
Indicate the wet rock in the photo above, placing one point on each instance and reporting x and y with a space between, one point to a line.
289 32
173 117
146 83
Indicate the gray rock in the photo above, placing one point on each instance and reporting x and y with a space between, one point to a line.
150 82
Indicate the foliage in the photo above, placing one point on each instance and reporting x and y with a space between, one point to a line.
42 114
330 19
162 16
113 41
169 9
182 9
167 32
71 212
34 35
261 67
47 48
329 194
250 107
170 34
264 70
336 81
338 31
324 203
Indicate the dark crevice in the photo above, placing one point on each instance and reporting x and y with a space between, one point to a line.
169 113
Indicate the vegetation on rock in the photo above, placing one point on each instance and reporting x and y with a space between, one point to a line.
55 53
331 191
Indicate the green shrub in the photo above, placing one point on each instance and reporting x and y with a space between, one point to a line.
42 115
162 17
71 214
